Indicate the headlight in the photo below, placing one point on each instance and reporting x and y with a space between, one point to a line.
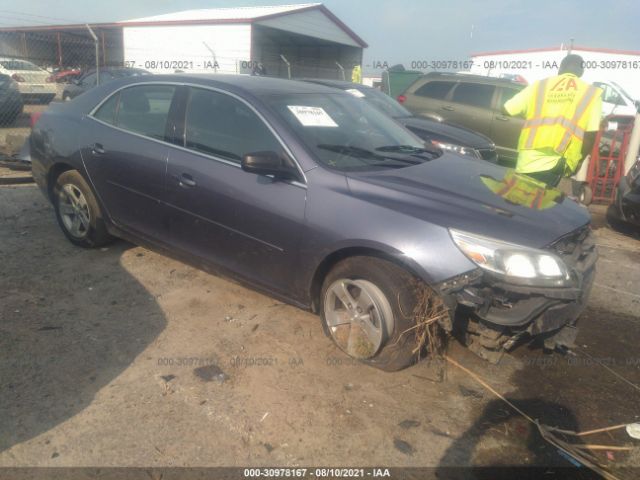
515 263
452 147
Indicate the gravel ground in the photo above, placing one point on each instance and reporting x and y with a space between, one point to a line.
124 357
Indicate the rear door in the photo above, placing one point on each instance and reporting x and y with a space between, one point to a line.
505 129
247 223
430 99
125 155
470 106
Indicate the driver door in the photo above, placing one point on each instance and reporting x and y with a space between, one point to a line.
250 224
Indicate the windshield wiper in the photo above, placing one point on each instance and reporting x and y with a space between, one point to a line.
363 153
409 149
350 150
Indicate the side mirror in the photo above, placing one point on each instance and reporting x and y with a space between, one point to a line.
267 163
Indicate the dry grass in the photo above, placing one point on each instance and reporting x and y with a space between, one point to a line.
429 310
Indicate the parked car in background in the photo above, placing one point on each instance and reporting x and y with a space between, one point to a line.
89 79
627 200
448 137
65 75
11 104
319 199
615 100
31 79
471 101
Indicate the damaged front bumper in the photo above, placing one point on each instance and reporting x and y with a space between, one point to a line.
505 313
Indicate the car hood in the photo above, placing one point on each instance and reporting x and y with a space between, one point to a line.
444 131
474 196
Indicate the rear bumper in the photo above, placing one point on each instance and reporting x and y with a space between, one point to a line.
38 89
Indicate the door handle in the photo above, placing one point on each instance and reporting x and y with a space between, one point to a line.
448 108
185 180
502 118
97 149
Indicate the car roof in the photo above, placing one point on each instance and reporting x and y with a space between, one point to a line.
470 77
256 85
341 84
13 59
116 69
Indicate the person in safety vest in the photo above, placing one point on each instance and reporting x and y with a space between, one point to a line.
562 117
356 74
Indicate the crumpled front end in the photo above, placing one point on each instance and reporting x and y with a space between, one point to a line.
494 316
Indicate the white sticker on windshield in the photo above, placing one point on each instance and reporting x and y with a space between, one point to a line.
312 116
355 92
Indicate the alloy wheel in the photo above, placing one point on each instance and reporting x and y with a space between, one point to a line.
358 316
74 211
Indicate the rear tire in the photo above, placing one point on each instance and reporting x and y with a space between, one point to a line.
78 212
384 293
586 194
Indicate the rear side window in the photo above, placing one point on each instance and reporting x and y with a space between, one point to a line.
218 124
107 111
145 109
437 90
474 94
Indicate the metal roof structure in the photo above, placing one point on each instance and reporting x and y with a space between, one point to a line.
557 49
308 15
231 13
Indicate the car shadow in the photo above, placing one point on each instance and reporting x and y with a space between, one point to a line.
553 389
71 320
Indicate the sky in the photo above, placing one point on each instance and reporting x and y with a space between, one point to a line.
399 31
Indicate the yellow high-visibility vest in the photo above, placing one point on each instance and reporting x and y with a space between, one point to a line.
356 74
557 114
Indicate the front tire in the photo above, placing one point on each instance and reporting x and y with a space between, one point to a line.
78 212
367 308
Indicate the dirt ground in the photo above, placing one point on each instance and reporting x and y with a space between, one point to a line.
124 357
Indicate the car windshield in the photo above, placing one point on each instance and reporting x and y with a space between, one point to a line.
623 91
348 134
381 101
18 65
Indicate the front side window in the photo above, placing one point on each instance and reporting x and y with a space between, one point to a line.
143 109
220 125
507 93
348 134
474 94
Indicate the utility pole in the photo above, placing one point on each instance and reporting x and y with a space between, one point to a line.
95 39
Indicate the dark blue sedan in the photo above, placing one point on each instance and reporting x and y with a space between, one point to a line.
316 197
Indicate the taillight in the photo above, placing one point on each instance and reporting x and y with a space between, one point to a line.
401 98
35 116
18 78
50 79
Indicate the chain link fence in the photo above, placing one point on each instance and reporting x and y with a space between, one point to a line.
38 67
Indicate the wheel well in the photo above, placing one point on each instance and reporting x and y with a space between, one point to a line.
54 172
330 261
